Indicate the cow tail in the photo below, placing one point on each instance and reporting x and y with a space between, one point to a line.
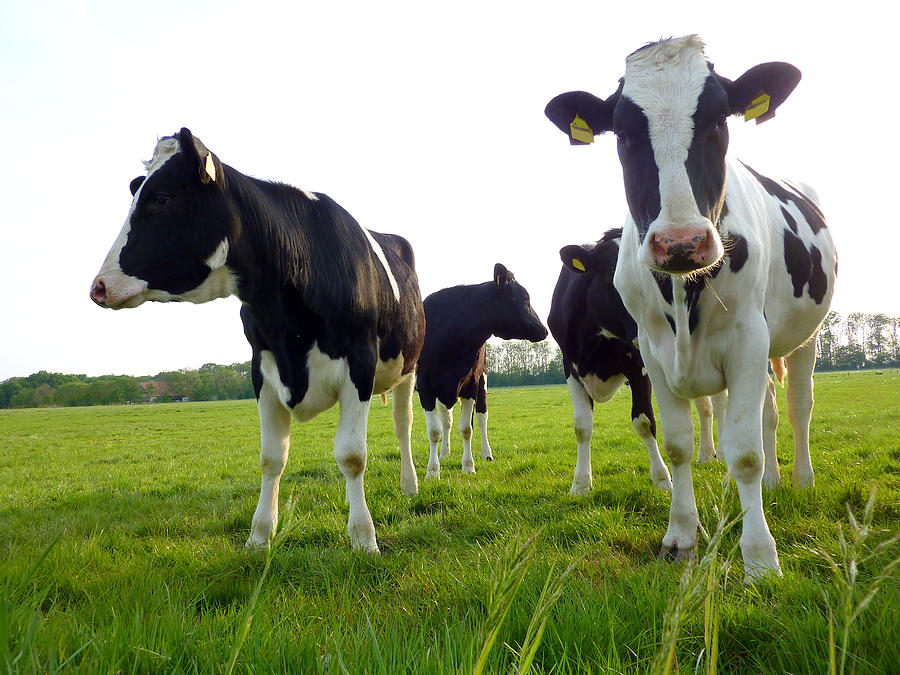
779 369
384 399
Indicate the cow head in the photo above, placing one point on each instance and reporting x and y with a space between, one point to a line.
670 115
174 243
511 313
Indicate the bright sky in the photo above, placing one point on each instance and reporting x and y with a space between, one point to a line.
422 119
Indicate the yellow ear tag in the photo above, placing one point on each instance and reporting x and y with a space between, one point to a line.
210 167
578 265
498 279
580 131
758 107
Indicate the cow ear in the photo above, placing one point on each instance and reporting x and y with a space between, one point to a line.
502 276
581 115
199 158
757 93
575 258
135 185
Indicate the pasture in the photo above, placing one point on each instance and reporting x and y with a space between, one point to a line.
152 505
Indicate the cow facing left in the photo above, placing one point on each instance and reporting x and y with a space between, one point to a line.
332 311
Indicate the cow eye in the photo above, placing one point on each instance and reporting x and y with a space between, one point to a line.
160 199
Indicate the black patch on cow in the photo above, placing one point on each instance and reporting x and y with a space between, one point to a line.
639 169
789 219
737 252
818 281
671 321
664 281
693 288
706 155
805 266
785 195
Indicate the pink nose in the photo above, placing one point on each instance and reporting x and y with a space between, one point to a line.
682 250
98 292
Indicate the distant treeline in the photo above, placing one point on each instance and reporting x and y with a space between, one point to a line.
849 342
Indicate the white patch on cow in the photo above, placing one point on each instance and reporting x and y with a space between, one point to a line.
388 374
643 371
607 334
602 390
219 256
665 80
312 196
379 253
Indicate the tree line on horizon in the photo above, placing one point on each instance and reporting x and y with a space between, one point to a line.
850 342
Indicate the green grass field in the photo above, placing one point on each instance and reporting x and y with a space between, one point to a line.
152 504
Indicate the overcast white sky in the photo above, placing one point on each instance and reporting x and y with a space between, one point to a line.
420 118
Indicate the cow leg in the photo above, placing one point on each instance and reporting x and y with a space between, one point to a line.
741 442
704 408
275 439
446 414
771 476
800 365
644 423
583 414
467 405
403 419
720 407
680 540
350 453
433 429
481 414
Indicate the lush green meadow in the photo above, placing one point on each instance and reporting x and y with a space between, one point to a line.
149 508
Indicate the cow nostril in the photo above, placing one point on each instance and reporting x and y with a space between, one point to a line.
98 292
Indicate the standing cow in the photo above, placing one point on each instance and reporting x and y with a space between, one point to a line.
460 319
598 339
332 311
721 267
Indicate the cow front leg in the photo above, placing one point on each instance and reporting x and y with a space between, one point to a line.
800 365
467 406
446 414
481 415
704 408
771 476
680 540
403 419
350 453
720 407
741 443
583 420
275 439
644 424
433 430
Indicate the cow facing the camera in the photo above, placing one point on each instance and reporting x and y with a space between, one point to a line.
459 322
332 311
721 267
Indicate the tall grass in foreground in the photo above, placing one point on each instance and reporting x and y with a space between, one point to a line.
855 552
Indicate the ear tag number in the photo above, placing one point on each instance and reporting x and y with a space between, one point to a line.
580 132
758 109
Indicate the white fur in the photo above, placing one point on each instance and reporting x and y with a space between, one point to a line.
379 253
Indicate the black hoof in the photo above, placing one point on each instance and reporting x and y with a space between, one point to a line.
668 554
489 459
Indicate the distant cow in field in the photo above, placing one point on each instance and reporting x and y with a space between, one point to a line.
332 311
722 268
459 321
598 339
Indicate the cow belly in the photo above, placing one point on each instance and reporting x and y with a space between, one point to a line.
326 378
602 390
388 374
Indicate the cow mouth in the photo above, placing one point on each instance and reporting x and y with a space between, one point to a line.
109 295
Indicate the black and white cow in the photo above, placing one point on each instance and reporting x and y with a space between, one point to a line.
332 311
721 267
598 339
460 319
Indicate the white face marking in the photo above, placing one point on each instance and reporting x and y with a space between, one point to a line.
379 253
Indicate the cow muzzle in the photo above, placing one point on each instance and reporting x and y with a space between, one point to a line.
683 250
117 291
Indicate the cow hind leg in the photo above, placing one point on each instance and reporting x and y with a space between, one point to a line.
704 408
771 476
481 414
433 430
720 408
800 366
275 439
583 417
350 453
467 405
403 419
